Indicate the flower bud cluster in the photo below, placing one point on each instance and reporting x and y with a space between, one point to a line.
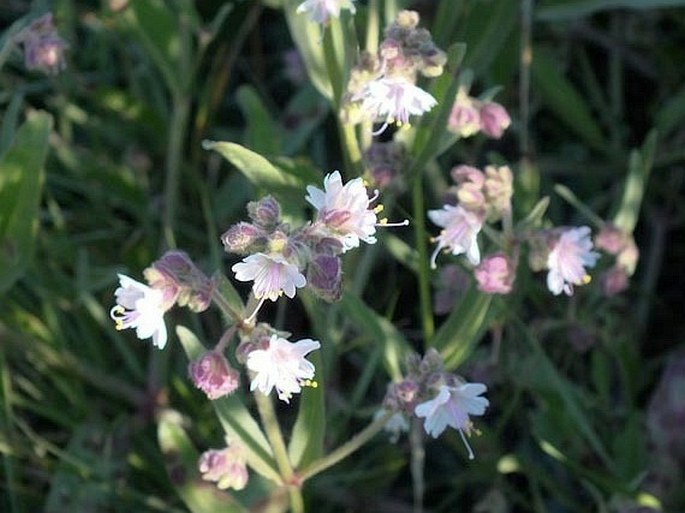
384 160
470 116
43 47
620 245
227 467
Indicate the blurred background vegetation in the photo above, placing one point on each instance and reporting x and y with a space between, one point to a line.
587 409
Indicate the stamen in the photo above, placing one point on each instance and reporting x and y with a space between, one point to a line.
587 279
380 130
384 222
376 195
466 443
434 256
378 209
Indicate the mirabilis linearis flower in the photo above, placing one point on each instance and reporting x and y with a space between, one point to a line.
282 365
459 234
212 374
142 308
567 260
321 11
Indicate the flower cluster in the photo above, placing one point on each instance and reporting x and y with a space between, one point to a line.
43 46
470 116
442 399
485 197
620 245
226 467
382 87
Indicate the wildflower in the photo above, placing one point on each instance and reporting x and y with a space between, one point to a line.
344 210
273 275
494 119
226 467
320 11
495 274
140 307
611 239
282 365
567 261
499 188
43 47
393 100
212 374
470 187
452 407
460 232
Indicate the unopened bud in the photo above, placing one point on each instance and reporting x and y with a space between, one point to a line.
243 239
495 274
494 119
226 467
266 213
180 280
324 277
213 375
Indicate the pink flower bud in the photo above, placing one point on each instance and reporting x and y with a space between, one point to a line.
213 375
495 274
226 467
265 213
243 239
611 239
180 280
494 119
324 277
464 119
43 47
613 281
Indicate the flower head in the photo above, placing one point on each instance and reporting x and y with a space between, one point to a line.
568 259
282 365
494 119
464 119
452 407
320 11
393 100
344 210
459 234
226 467
142 308
212 374
272 274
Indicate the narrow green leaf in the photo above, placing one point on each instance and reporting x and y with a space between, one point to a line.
463 328
181 460
381 331
671 115
303 115
563 98
569 10
306 442
639 168
21 182
235 418
10 120
487 35
262 133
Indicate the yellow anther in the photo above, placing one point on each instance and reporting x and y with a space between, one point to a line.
378 209
383 221
587 279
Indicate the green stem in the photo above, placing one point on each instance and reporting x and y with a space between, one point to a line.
275 436
418 463
421 236
346 449
177 133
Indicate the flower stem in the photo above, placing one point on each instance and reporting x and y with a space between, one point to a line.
275 436
424 268
346 449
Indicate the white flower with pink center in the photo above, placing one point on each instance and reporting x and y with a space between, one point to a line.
272 274
452 407
344 210
320 11
282 366
393 100
459 234
568 259
142 308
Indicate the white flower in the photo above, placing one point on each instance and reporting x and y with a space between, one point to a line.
344 210
568 259
282 366
452 407
273 275
390 100
140 307
460 233
321 10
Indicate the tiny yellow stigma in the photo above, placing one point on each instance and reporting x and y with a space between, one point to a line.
587 279
378 209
